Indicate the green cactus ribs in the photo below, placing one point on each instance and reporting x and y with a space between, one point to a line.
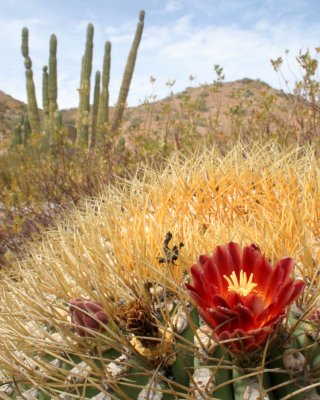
33 112
162 350
154 343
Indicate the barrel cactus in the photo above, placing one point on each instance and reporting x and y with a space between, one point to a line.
155 291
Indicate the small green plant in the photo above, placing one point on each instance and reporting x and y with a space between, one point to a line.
305 94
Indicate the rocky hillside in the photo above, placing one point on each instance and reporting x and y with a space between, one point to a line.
208 103
220 106
9 109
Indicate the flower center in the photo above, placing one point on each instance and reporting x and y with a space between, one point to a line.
243 286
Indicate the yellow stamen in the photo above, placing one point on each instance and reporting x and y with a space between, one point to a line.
243 286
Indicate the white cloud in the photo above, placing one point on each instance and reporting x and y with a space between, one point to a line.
171 48
172 6
181 49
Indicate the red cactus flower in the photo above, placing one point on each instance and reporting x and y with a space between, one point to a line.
241 296
81 310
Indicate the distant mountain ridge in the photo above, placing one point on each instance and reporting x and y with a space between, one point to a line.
209 97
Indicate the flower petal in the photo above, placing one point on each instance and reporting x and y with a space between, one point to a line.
262 273
200 300
285 294
90 323
250 254
254 302
299 285
93 307
222 260
196 273
219 301
212 275
235 253
280 274
245 318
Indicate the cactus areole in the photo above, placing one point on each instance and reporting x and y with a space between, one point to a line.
241 296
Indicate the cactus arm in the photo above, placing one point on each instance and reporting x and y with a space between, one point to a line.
26 129
52 81
96 101
45 102
58 125
17 134
84 98
31 93
127 76
103 112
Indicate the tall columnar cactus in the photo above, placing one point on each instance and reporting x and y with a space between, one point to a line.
45 102
127 76
95 108
27 130
58 121
103 113
84 91
52 81
17 130
31 93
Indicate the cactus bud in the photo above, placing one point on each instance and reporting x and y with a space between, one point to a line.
80 310
315 316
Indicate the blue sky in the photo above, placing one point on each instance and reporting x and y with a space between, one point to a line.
181 37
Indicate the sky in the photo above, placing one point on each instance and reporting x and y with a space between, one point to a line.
180 38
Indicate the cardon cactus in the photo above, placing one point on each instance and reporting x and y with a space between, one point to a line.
52 81
103 112
26 129
115 306
84 91
127 75
97 120
95 108
17 130
31 93
45 102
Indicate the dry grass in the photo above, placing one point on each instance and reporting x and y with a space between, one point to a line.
107 249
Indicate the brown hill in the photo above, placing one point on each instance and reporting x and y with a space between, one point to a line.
10 108
247 108
218 108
